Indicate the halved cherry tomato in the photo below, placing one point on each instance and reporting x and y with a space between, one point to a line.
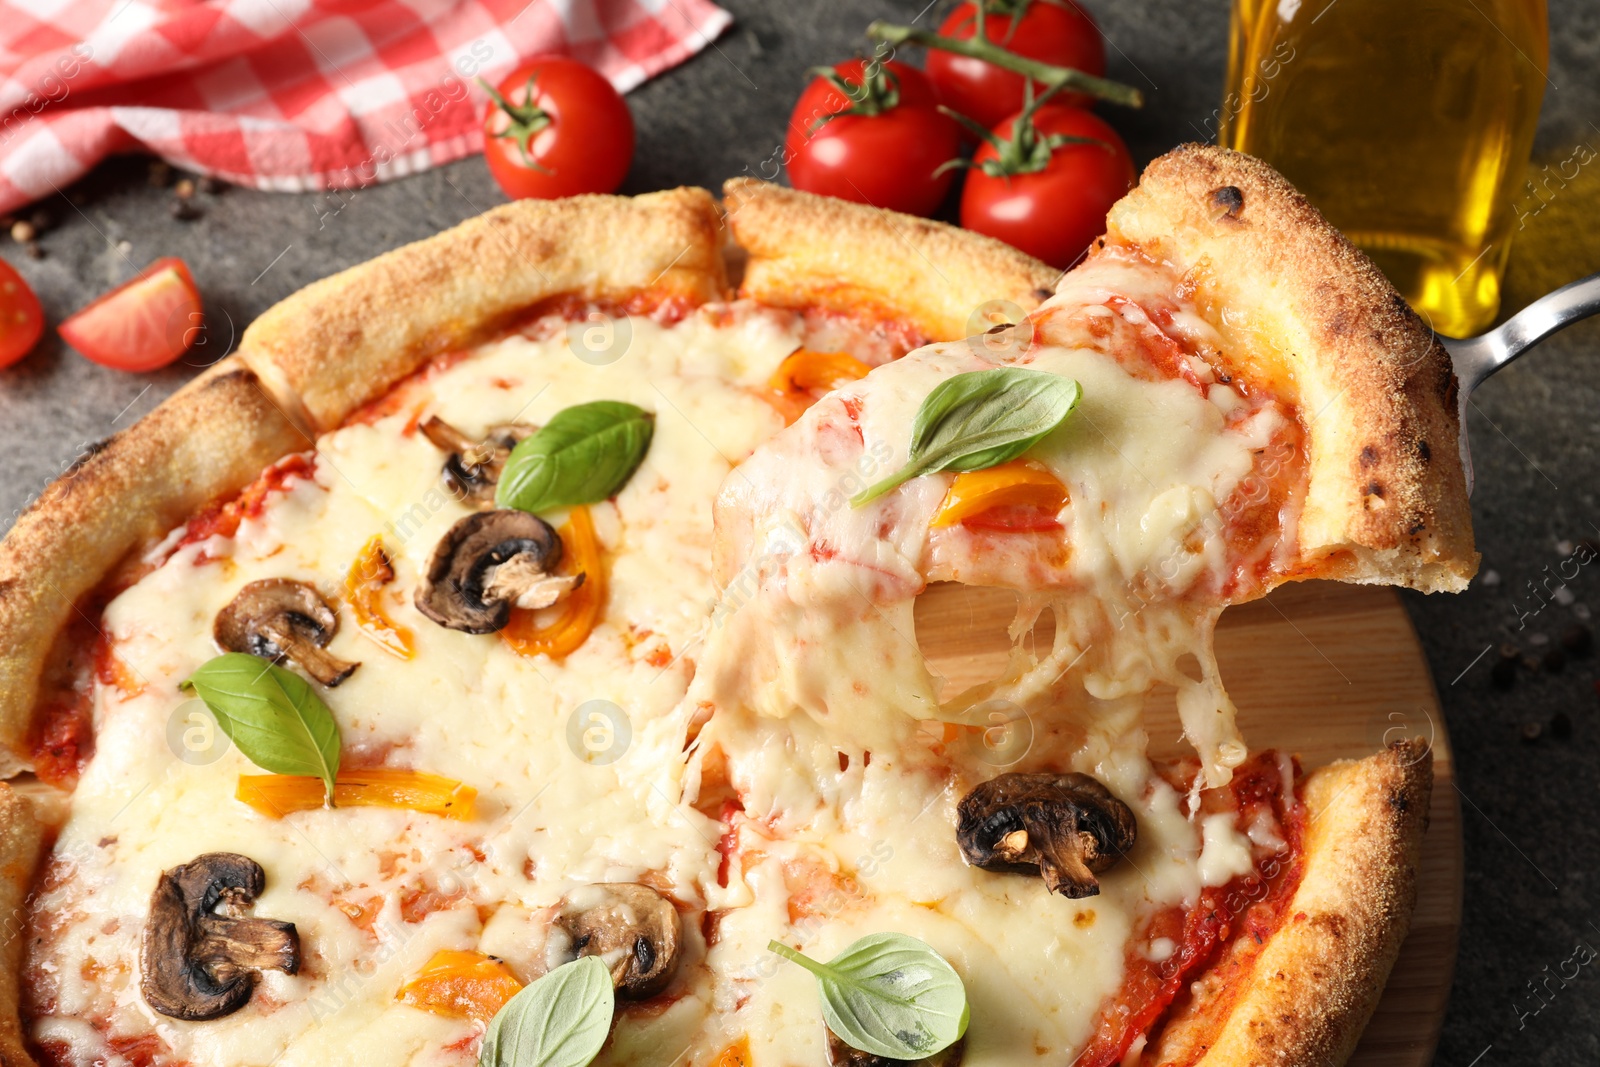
21 319
1013 496
1054 212
870 131
554 128
143 324
276 795
461 985
1058 32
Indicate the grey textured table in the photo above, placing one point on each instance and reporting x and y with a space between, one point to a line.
1531 809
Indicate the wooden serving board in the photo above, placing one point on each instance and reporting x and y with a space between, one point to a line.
1328 672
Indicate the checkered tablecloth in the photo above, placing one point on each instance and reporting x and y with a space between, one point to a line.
293 94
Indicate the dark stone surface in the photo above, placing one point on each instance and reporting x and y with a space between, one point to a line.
1531 810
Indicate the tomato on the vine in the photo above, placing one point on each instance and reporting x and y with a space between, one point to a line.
1058 32
1044 179
21 319
870 131
556 127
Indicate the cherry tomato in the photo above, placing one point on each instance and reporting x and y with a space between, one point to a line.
1058 32
21 320
141 325
1055 212
881 144
554 128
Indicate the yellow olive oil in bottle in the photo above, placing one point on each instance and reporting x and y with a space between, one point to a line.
1407 122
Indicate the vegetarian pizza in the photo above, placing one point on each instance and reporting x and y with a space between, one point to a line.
508 657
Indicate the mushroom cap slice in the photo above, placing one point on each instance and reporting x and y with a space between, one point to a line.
631 927
472 469
277 618
197 962
459 590
1066 827
842 1055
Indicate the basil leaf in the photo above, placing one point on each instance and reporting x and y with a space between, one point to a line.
981 419
583 455
889 995
561 1020
272 714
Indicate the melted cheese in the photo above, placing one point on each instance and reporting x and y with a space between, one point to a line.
373 892
782 642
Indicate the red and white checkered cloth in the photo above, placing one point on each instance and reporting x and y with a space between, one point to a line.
294 94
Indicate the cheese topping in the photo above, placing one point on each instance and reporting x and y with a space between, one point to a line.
812 665
751 729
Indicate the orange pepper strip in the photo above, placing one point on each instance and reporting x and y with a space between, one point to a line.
461 985
363 588
736 1054
1013 484
806 372
581 609
276 795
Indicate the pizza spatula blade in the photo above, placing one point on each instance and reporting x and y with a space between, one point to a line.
1475 358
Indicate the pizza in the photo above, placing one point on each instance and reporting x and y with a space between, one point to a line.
580 545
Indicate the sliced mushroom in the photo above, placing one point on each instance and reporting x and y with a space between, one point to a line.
631 927
488 562
277 618
1067 827
201 956
472 469
842 1055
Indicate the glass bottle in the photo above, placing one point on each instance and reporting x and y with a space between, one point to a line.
1409 123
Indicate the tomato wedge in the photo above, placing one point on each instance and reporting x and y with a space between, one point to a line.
143 324
21 320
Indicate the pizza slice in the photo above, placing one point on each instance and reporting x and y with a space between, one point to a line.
687 718
1249 404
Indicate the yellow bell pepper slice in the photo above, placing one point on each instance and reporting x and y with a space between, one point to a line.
363 590
461 985
1014 484
805 373
580 611
276 795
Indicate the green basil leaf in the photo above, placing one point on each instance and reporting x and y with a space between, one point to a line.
272 714
889 995
561 1020
583 455
981 419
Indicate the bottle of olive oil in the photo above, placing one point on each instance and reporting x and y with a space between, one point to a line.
1407 122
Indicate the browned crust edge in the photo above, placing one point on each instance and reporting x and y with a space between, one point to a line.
343 341
1387 499
1320 976
22 832
211 438
806 250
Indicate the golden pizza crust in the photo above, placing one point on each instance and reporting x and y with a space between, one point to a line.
1387 499
809 251
1311 990
21 844
211 438
342 341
